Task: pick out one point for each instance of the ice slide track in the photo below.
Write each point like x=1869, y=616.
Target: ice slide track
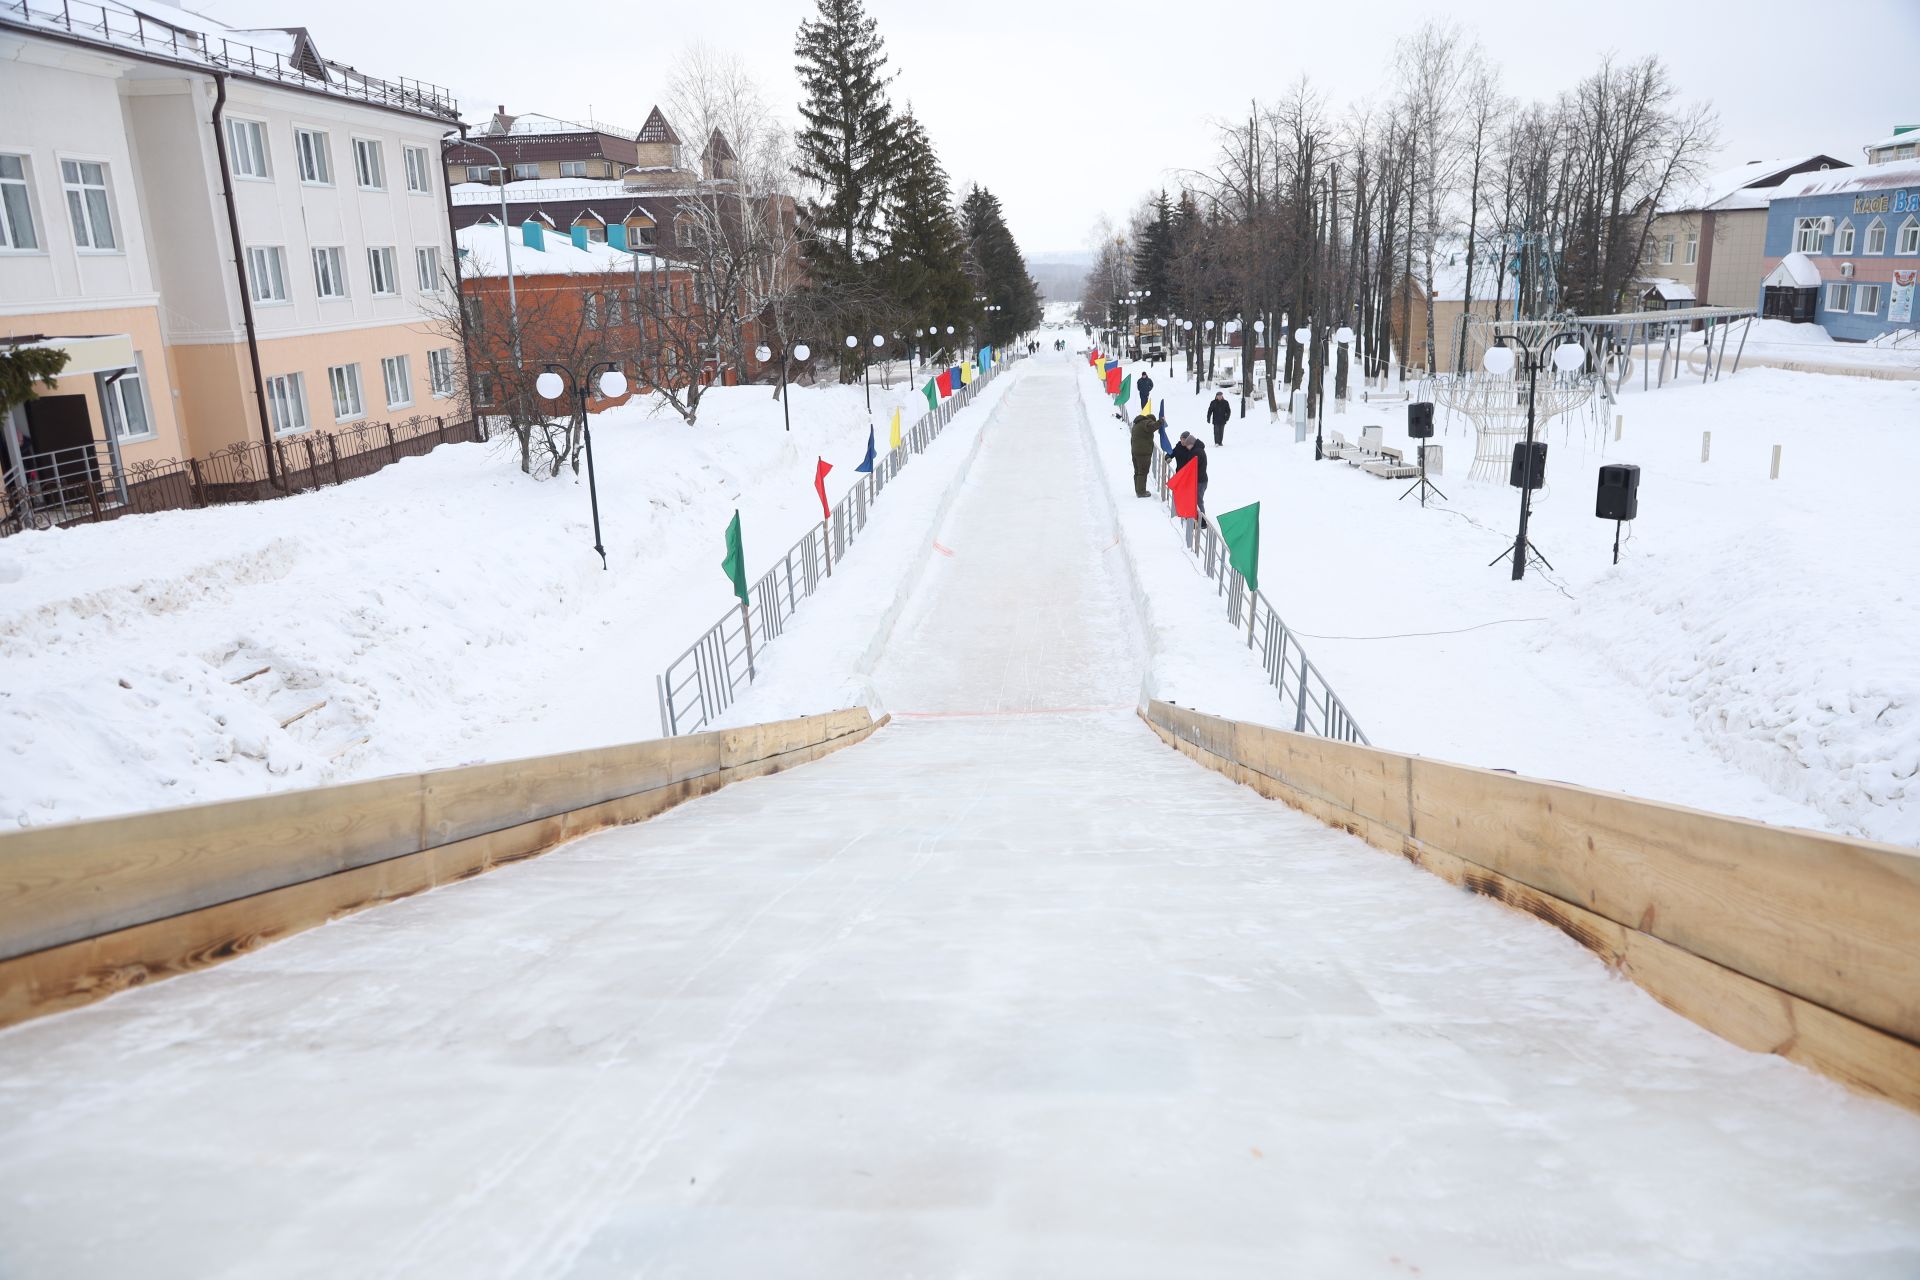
x=1016, y=993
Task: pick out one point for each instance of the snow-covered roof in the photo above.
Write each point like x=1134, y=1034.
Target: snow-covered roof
x=1669, y=290
x=1450, y=273
x=1895, y=140
x=1733, y=188
x=1859, y=177
x=539, y=189
x=484, y=255
x=1796, y=271
x=534, y=123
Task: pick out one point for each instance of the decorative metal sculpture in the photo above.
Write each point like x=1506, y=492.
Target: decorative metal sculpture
x=1497, y=403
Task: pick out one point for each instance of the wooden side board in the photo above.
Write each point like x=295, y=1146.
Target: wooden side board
x=126, y=901
x=1783, y=941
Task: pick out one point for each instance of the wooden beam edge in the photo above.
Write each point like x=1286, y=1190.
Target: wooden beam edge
x=1735, y=1007
x=78, y=973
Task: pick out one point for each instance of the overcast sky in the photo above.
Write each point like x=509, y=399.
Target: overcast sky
x=1068, y=111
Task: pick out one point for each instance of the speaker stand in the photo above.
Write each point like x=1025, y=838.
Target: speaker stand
x=1533, y=554
x=1616, y=542
x=1423, y=484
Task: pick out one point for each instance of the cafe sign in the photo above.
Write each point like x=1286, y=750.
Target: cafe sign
x=1894, y=202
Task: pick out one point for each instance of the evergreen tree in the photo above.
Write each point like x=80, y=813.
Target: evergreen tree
x=924, y=267
x=1153, y=256
x=848, y=147
x=998, y=269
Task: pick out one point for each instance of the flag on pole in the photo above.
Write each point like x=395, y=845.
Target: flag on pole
x=986, y=357
x=736, y=562
x=945, y=383
x=966, y=373
x=1164, y=446
x=1126, y=391
x=893, y=436
x=820, y=487
x=1113, y=380
x=932, y=392
x=1093, y=357
x=1240, y=530
x=1185, y=488
x=953, y=380
x=866, y=464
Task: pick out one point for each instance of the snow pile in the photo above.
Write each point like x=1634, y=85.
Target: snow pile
x=1751, y=654
x=445, y=610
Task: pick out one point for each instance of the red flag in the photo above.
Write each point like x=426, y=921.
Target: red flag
x=820, y=487
x=945, y=381
x=1185, y=488
x=1093, y=357
x=1113, y=381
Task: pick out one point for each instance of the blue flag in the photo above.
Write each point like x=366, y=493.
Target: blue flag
x=955, y=371
x=1164, y=446
x=867, y=465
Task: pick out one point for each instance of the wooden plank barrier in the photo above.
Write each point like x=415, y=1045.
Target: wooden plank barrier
x=1781, y=940
x=91, y=908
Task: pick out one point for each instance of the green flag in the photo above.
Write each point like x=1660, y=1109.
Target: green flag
x=932, y=392
x=736, y=562
x=1126, y=391
x=1240, y=530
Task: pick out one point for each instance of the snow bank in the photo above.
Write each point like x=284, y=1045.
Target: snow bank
x=447, y=609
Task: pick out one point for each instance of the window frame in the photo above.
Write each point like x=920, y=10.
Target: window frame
x=113, y=408
x=580, y=167
x=404, y=364
x=321, y=152
x=263, y=148
x=427, y=281
x=514, y=174
x=439, y=387
x=290, y=391
x=1843, y=238
x=374, y=270
x=70, y=189
x=419, y=167
x=276, y=254
x=349, y=379
x=9, y=235
x=1842, y=290
x=1691, y=253
x=1861, y=293
x=1801, y=228
x=1906, y=241
x=377, y=151
x=1876, y=230
x=1669, y=244
x=336, y=256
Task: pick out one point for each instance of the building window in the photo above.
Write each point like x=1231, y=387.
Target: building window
x=87, y=204
x=475, y=310
x=1806, y=235
x=287, y=403
x=484, y=387
x=1866, y=299
x=1666, y=250
x=573, y=168
x=1693, y=247
x=383, y=266
x=426, y=265
x=124, y=402
x=267, y=273
x=1909, y=242
x=315, y=155
x=419, y=175
x=398, y=373
x=440, y=372
x=1843, y=239
x=478, y=173
x=330, y=272
x=368, y=165
x=344, y=381
x=591, y=307
x=1838, y=295
x=640, y=235
x=1876, y=237
x=16, y=209
x=247, y=148
x=525, y=172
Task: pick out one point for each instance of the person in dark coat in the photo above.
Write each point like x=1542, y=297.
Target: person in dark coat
x=1192, y=447
x=1146, y=389
x=1218, y=413
x=1145, y=428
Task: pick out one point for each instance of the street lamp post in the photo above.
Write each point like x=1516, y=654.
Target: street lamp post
x=1343, y=337
x=559, y=380
x=799, y=351
x=1564, y=350
x=506, y=239
x=1303, y=338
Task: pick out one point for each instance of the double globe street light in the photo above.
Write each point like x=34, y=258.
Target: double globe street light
x=558, y=381
x=1563, y=350
x=800, y=352
x=853, y=344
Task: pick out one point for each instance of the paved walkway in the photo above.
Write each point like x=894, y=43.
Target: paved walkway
x=1009, y=990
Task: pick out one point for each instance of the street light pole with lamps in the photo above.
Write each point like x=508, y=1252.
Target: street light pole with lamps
x=799, y=351
x=1564, y=350
x=506, y=237
x=613, y=384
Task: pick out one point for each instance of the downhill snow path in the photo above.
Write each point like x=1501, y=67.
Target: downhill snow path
x=1018, y=992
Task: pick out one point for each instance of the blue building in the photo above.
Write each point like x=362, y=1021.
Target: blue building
x=1843, y=250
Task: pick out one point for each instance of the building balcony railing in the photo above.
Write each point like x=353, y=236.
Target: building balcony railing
x=134, y=31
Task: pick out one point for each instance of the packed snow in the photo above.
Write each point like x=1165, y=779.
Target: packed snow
x=1751, y=654
x=445, y=610
x=1009, y=989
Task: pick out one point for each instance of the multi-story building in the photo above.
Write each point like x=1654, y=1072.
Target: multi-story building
x=1706, y=241
x=232, y=236
x=1904, y=144
x=1843, y=249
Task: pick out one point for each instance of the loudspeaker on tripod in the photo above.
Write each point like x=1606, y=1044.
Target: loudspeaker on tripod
x=1420, y=420
x=1521, y=476
x=1619, y=495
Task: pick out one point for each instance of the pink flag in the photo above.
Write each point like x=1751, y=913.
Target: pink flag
x=820, y=487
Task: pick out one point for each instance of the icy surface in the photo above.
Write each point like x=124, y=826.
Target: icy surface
x=1003, y=991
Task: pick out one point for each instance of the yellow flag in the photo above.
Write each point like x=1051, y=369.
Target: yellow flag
x=966, y=373
x=893, y=438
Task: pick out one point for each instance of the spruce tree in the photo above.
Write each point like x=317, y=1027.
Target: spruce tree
x=999, y=270
x=848, y=147
x=924, y=268
x=1153, y=256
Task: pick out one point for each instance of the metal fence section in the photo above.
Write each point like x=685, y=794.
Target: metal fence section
x=1316, y=708
x=702, y=683
x=91, y=483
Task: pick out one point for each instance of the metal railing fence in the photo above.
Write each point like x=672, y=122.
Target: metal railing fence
x=703, y=681
x=1317, y=709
